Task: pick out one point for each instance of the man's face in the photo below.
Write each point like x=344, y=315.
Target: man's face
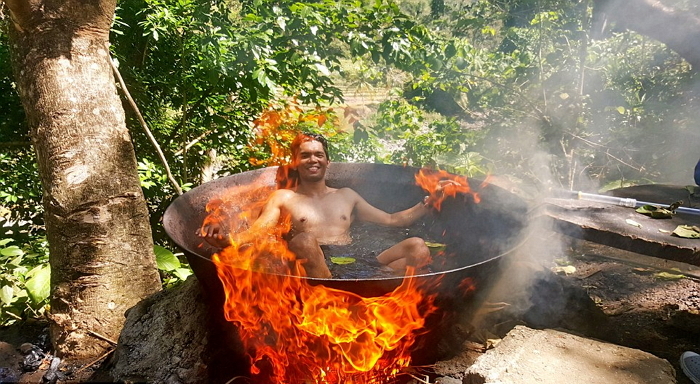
x=312, y=161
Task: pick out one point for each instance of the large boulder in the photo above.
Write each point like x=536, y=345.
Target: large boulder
x=174, y=336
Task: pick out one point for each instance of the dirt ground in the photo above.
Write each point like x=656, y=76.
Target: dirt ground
x=648, y=304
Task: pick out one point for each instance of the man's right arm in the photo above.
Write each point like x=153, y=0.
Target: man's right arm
x=216, y=233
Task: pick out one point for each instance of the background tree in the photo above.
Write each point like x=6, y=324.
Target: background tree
x=101, y=250
x=677, y=28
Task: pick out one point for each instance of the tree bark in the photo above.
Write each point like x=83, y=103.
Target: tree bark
x=680, y=31
x=101, y=250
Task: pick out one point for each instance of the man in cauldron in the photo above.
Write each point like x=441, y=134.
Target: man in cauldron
x=321, y=216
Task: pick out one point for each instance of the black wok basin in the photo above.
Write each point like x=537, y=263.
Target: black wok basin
x=477, y=235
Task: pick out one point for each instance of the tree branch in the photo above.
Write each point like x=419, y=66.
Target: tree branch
x=193, y=142
x=144, y=125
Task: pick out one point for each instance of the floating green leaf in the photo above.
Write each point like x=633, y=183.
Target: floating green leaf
x=342, y=260
x=435, y=247
x=166, y=260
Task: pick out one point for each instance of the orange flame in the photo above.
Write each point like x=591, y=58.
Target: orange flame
x=430, y=181
x=276, y=128
x=295, y=332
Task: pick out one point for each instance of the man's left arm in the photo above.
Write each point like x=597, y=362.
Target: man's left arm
x=367, y=212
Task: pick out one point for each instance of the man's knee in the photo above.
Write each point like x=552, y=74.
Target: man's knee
x=305, y=246
x=302, y=241
x=419, y=253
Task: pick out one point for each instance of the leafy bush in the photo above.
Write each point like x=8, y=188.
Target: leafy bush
x=171, y=269
x=24, y=279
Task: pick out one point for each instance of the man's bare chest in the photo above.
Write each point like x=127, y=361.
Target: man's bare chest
x=314, y=213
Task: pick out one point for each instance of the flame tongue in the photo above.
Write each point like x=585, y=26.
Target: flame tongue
x=430, y=181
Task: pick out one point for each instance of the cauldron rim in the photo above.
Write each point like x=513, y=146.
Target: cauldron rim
x=388, y=278
x=169, y=212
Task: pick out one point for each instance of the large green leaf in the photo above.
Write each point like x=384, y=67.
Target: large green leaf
x=12, y=250
x=166, y=260
x=39, y=283
x=182, y=273
x=6, y=294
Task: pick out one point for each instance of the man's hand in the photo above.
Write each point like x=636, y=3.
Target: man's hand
x=214, y=234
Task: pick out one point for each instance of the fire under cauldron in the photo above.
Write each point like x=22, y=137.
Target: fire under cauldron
x=476, y=235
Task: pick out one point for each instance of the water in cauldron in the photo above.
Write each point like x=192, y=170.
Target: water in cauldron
x=368, y=241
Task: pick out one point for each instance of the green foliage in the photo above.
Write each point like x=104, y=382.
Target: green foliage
x=171, y=269
x=20, y=196
x=13, y=126
x=405, y=134
x=24, y=279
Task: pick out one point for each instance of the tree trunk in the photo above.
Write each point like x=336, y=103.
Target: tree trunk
x=101, y=251
x=680, y=31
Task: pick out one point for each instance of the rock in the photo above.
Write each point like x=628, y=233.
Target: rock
x=174, y=336
x=25, y=348
x=527, y=356
x=10, y=372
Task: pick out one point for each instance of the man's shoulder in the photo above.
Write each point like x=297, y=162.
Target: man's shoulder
x=347, y=191
x=282, y=194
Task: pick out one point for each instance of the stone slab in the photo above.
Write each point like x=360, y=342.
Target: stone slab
x=528, y=356
x=607, y=224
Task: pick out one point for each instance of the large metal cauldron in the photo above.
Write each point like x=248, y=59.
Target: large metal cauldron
x=477, y=235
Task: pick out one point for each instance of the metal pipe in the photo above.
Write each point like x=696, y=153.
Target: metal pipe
x=623, y=201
